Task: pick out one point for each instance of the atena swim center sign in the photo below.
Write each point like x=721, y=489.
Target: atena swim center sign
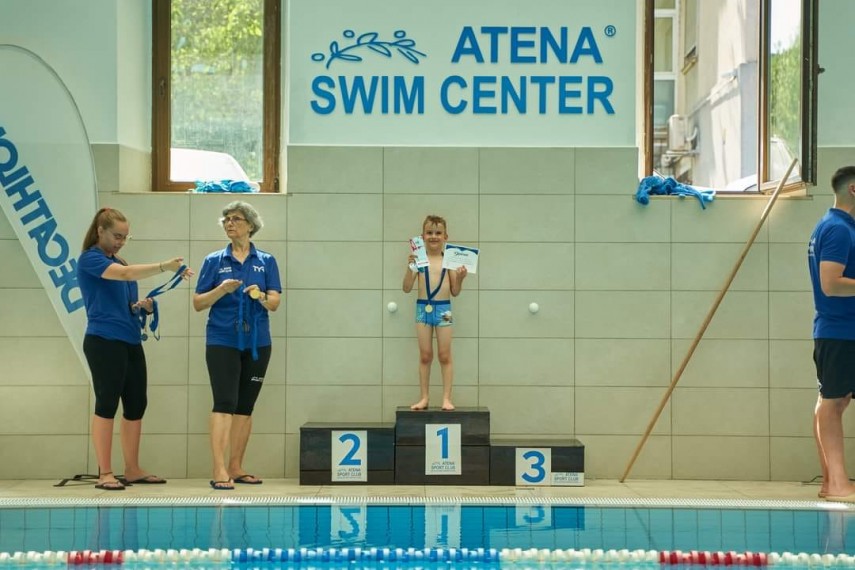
x=462, y=72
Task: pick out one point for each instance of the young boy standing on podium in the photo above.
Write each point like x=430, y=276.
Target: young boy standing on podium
x=436, y=286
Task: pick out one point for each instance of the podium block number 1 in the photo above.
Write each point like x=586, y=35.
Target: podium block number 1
x=533, y=466
x=442, y=449
x=349, y=457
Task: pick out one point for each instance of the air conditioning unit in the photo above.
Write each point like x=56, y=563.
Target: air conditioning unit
x=678, y=134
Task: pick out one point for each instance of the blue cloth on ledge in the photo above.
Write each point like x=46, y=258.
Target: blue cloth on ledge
x=233, y=186
x=659, y=186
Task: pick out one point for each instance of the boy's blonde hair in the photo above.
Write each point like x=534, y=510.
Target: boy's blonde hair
x=436, y=220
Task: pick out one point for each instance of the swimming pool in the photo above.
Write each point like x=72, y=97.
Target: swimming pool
x=260, y=523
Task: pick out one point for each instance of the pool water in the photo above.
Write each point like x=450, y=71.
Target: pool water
x=424, y=526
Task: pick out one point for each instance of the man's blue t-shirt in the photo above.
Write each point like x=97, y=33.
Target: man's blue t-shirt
x=108, y=302
x=260, y=269
x=833, y=239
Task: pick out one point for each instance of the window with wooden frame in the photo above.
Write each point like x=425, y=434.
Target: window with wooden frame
x=730, y=92
x=215, y=92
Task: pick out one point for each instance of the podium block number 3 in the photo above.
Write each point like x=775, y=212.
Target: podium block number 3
x=533, y=466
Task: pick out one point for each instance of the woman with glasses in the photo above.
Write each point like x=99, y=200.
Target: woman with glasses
x=240, y=285
x=113, y=343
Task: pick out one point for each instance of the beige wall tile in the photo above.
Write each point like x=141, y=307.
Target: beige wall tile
x=292, y=455
x=199, y=406
x=721, y=457
x=329, y=361
x=430, y=170
x=199, y=457
x=404, y=215
x=167, y=410
x=721, y=411
x=723, y=363
x=527, y=170
x=741, y=315
x=61, y=410
x=401, y=361
x=795, y=458
x=622, y=362
x=105, y=158
x=506, y=314
x=788, y=267
x=334, y=265
x=606, y=170
x=792, y=220
x=41, y=361
x=620, y=219
x=550, y=409
x=607, y=456
x=167, y=361
x=337, y=169
x=623, y=266
x=334, y=313
x=706, y=267
x=723, y=221
x=530, y=266
x=526, y=218
x=791, y=413
x=791, y=315
x=622, y=314
x=18, y=272
x=619, y=411
x=331, y=404
x=335, y=217
x=58, y=457
x=134, y=170
x=161, y=216
x=28, y=312
x=525, y=362
x=268, y=417
x=791, y=364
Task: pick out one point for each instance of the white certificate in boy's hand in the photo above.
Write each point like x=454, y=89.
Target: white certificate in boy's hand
x=460, y=256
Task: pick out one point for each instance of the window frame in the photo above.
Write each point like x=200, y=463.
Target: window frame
x=161, y=98
x=809, y=80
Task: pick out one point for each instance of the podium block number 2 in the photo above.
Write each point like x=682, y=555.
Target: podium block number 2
x=533, y=466
x=349, y=456
x=442, y=449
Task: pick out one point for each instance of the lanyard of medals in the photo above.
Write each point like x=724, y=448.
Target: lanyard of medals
x=432, y=294
x=155, y=315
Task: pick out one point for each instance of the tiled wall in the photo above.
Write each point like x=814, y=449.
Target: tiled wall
x=622, y=288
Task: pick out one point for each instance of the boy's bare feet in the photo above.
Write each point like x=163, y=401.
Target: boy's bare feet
x=420, y=405
x=447, y=406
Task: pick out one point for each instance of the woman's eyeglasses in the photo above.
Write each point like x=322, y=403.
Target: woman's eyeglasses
x=233, y=219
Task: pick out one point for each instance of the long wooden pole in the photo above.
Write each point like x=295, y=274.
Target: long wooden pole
x=706, y=323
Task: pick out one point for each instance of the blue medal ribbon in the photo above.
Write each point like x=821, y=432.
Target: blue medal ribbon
x=171, y=284
x=432, y=294
x=251, y=322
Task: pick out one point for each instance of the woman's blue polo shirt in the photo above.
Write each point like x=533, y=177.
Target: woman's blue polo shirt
x=108, y=301
x=259, y=268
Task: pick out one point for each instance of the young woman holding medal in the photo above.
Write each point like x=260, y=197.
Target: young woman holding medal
x=113, y=343
x=240, y=285
x=436, y=286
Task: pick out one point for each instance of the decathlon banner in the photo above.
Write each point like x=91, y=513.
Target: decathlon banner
x=462, y=73
x=47, y=179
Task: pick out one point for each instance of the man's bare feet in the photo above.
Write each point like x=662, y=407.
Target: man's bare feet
x=420, y=405
x=447, y=406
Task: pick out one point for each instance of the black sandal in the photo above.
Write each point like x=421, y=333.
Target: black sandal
x=110, y=485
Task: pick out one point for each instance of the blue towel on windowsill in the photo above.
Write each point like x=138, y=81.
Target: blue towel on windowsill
x=232, y=186
x=659, y=186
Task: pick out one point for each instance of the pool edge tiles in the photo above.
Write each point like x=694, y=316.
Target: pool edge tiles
x=105, y=501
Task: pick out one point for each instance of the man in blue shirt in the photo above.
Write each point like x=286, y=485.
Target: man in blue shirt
x=831, y=259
